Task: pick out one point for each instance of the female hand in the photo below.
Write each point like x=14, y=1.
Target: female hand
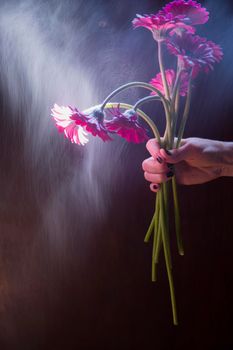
x=196, y=161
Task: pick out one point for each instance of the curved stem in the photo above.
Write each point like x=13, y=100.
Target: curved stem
x=168, y=131
x=148, y=87
x=145, y=100
x=133, y=84
x=150, y=229
x=143, y=115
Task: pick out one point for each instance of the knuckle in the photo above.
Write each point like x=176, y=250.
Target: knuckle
x=146, y=176
x=144, y=164
x=149, y=145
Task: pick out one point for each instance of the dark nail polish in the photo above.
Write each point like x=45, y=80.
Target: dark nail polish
x=159, y=159
x=170, y=166
x=170, y=174
x=168, y=152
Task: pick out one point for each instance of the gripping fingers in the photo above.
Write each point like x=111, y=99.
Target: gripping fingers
x=158, y=178
x=155, y=166
x=153, y=147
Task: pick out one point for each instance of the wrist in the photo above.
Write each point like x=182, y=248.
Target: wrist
x=227, y=159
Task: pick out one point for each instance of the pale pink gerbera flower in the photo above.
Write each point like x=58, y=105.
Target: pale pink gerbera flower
x=171, y=78
x=65, y=122
x=194, y=52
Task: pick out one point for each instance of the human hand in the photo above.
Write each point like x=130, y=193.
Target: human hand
x=196, y=161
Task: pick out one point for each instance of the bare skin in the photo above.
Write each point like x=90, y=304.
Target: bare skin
x=196, y=161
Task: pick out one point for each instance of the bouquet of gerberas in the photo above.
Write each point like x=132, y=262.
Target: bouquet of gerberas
x=173, y=28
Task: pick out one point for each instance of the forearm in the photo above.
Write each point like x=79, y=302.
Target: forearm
x=227, y=159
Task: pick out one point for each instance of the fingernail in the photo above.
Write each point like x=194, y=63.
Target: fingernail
x=159, y=159
x=168, y=152
x=170, y=166
x=170, y=174
x=155, y=187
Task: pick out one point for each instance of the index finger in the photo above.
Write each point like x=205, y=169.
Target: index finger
x=153, y=147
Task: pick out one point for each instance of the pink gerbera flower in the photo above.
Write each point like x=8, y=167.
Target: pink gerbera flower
x=160, y=24
x=65, y=122
x=194, y=52
x=171, y=77
x=178, y=14
x=189, y=12
x=127, y=126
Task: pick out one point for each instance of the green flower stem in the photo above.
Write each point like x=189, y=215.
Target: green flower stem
x=148, y=87
x=166, y=254
x=143, y=115
x=185, y=115
x=166, y=217
x=156, y=237
x=158, y=247
x=154, y=220
x=168, y=130
x=150, y=229
x=177, y=218
x=176, y=85
x=161, y=65
x=145, y=100
x=175, y=101
x=167, y=114
x=165, y=191
x=177, y=105
x=158, y=244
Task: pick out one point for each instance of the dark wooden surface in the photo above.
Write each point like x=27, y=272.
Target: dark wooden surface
x=74, y=271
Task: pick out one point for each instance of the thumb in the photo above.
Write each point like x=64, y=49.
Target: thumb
x=176, y=155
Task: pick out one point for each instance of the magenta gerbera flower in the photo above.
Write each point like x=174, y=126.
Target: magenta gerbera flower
x=127, y=126
x=160, y=24
x=94, y=123
x=65, y=122
x=189, y=12
x=194, y=52
x=171, y=78
x=178, y=14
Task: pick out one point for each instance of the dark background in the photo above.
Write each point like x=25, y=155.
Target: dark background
x=74, y=271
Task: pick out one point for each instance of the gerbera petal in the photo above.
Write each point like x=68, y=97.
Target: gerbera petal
x=171, y=77
x=95, y=124
x=126, y=126
x=65, y=118
x=189, y=12
x=174, y=17
x=194, y=52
